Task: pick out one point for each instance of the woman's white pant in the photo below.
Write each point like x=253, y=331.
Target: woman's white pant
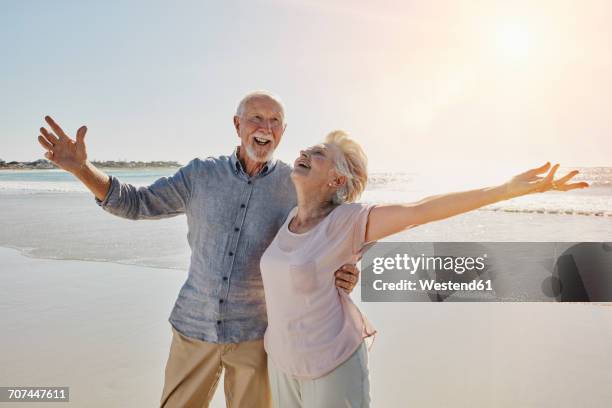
x=347, y=386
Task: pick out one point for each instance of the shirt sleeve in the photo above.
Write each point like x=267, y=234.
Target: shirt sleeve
x=166, y=197
x=359, y=222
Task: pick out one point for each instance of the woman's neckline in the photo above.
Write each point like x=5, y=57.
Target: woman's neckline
x=302, y=234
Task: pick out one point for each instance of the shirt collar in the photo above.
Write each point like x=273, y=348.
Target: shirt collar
x=237, y=166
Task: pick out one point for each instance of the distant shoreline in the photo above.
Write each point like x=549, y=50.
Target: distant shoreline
x=110, y=164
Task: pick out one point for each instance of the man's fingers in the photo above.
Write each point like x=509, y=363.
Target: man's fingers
x=346, y=277
x=351, y=268
x=80, y=136
x=49, y=155
x=50, y=140
x=56, y=128
x=347, y=287
x=44, y=143
x=49, y=136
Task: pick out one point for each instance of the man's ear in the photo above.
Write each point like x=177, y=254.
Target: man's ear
x=237, y=125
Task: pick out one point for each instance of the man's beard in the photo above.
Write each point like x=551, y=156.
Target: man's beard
x=258, y=156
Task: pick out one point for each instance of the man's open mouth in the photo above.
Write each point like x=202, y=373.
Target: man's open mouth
x=261, y=142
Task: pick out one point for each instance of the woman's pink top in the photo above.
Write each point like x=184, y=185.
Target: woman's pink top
x=313, y=326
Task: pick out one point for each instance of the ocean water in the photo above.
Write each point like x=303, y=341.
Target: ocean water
x=49, y=214
x=59, y=181
x=382, y=188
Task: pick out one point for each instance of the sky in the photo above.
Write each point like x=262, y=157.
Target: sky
x=425, y=86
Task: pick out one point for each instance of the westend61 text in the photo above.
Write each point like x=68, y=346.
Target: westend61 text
x=431, y=285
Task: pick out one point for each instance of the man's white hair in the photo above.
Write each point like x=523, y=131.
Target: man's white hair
x=259, y=94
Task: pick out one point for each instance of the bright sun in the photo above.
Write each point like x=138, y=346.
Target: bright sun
x=513, y=41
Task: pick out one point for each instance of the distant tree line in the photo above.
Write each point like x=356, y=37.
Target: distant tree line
x=123, y=164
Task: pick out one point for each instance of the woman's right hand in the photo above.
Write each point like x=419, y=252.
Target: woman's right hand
x=68, y=154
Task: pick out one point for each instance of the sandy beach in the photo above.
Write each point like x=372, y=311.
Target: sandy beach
x=101, y=328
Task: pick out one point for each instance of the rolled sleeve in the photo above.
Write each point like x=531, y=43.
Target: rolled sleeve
x=166, y=197
x=112, y=192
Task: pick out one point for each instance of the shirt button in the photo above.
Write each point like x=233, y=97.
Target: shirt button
x=236, y=229
x=218, y=321
x=242, y=205
x=231, y=254
x=225, y=278
x=249, y=182
x=220, y=300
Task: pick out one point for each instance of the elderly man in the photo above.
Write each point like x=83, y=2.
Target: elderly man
x=234, y=207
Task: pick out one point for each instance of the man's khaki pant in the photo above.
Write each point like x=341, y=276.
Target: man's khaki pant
x=194, y=368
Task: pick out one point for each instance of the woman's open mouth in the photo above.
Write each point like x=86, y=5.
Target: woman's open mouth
x=302, y=163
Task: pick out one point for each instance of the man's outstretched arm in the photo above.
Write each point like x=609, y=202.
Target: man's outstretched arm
x=166, y=197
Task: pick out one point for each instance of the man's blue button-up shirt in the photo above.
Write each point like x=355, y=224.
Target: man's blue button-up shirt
x=231, y=218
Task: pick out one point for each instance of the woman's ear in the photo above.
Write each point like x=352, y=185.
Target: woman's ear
x=339, y=180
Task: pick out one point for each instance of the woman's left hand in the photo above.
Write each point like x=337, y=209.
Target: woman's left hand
x=530, y=181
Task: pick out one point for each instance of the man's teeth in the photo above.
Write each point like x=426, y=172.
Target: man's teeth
x=261, y=141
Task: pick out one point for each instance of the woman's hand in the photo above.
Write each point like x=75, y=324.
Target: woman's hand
x=530, y=182
x=66, y=153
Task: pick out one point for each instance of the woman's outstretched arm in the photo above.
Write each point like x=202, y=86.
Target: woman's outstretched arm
x=385, y=220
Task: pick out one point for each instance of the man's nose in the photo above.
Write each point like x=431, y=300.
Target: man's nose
x=266, y=125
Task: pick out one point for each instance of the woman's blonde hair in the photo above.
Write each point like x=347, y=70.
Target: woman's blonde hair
x=352, y=163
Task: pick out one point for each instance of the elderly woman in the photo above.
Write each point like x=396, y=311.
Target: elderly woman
x=315, y=335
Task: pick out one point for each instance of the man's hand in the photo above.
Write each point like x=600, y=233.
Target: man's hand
x=347, y=277
x=63, y=151
x=71, y=155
